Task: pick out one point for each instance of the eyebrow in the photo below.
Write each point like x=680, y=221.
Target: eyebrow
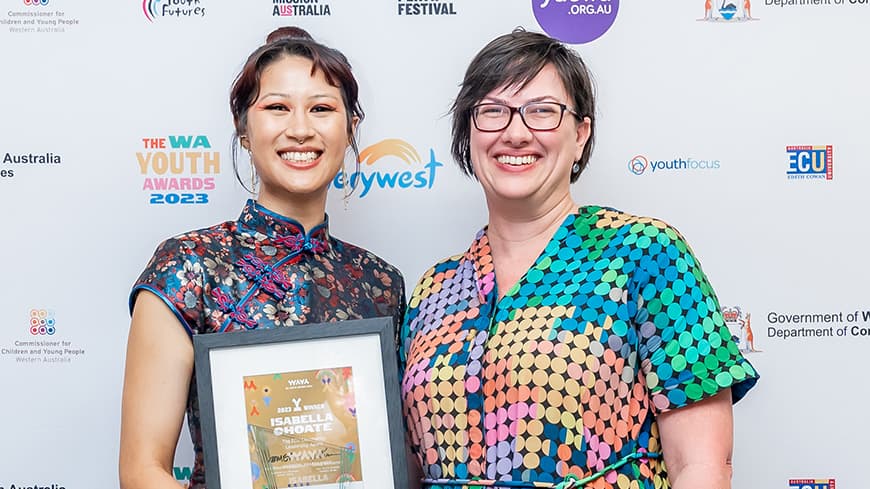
x=535, y=99
x=287, y=95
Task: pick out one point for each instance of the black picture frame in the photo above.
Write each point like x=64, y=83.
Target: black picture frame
x=215, y=352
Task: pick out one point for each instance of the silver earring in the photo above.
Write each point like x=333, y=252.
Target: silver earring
x=345, y=182
x=575, y=168
x=253, y=172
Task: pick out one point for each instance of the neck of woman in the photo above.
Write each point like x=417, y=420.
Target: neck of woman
x=307, y=210
x=517, y=239
x=518, y=226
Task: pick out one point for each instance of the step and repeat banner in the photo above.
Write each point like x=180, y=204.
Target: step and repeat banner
x=742, y=123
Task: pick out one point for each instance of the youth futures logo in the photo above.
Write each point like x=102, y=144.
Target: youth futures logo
x=727, y=11
x=159, y=9
x=392, y=164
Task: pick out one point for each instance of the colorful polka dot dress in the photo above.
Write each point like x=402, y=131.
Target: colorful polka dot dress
x=557, y=384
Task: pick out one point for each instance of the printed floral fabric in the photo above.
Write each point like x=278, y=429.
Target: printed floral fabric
x=265, y=271
x=557, y=384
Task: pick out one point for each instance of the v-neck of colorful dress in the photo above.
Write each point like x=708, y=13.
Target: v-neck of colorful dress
x=560, y=380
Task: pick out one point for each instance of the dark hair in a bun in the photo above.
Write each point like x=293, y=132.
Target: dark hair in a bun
x=288, y=32
x=293, y=41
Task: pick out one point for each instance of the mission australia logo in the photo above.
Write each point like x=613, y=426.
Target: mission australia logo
x=300, y=8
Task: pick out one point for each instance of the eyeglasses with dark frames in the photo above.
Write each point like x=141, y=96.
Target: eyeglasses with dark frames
x=537, y=116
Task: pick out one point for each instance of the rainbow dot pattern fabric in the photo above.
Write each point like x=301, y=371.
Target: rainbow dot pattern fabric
x=614, y=323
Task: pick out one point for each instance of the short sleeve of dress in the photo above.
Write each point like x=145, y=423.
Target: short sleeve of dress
x=175, y=274
x=686, y=350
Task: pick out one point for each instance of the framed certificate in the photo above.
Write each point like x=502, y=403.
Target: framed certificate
x=310, y=405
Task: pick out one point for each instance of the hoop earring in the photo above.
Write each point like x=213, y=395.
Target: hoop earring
x=253, y=190
x=345, y=182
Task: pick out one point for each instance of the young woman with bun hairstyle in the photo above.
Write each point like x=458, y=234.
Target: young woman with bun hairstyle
x=295, y=111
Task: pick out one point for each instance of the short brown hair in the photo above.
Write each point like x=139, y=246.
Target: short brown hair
x=514, y=59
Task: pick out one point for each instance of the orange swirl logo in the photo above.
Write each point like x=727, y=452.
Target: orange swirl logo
x=389, y=147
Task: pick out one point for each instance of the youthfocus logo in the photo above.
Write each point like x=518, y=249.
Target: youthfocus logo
x=641, y=164
x=378, y=169
x=159, y=9
x=575, y=21
x=178, y=169
x=727, y=11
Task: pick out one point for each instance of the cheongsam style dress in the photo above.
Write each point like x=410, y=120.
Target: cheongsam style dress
x=558, y=383
x=265, y=271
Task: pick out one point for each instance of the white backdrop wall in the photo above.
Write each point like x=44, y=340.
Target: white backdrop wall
x=705, y=121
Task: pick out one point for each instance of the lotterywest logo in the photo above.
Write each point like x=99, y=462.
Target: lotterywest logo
x=810, y=162
x=178, y=169
x=812, y=484
x=160, y=9
x=640, y=164
x=425, y=7
x=27, y=159
x=412, y=172
x=727, y=11
x=42, y=322
x=299, y=8
x=739, y=323
x=573, y=21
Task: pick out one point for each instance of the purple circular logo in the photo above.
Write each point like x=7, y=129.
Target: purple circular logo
x=575, y=21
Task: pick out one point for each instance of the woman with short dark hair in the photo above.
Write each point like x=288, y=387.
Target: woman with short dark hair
x=568, y=346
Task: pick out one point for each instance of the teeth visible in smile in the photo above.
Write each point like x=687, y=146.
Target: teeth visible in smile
x=517, y=160
x=296, y=156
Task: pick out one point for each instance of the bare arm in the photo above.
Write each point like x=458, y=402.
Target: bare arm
x=415, y=472
x=156, y=381
x=697, y=442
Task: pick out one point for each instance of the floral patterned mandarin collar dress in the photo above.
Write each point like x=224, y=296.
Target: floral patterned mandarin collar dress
x=558, y=383
x=264, y=271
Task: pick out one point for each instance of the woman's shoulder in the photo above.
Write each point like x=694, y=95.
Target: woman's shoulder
x=364, y=257
x=604, y=216
x=218, y=235
x=641, y=227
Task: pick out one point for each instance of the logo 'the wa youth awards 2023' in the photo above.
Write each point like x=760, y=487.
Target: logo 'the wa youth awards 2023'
x=178, y=169
x=412, y=173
